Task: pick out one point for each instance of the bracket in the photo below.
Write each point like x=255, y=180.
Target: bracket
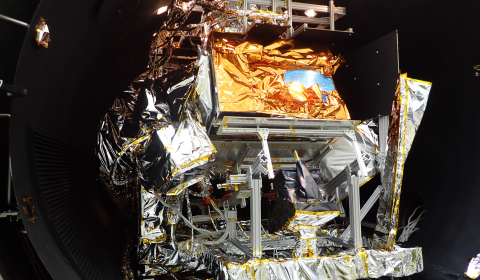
x=262, y=134
x=351, y=134
x=12, y=90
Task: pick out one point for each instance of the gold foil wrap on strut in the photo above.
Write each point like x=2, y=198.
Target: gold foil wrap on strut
x=250, y=78
x=407, y=111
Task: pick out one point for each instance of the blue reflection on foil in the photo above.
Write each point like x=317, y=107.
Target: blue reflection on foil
x=308, y=78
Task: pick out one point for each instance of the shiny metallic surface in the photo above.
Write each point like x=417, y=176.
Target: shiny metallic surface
x=407, y=112
x=473, y=269
x=43, y=33
x=12, y=20
x=154, y=151
x=352, y=264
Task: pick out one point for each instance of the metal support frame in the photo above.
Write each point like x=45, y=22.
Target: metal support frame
x=256, y=217
x=10, y=214
x=363, y=169
x=245, y=18
x=288, y=6
x=287, y=132
x=363, y=212
x=274, y=6
x=263, y=128
x=300, y=29
x=15, y=21
x=331, y=10
x=354, y=208
x=383, y=123
x=241, y=247
x=333, y=239
x=12, y=90
x=321, y=155
x=231, y=216
x=341, y=177
x=241, y=158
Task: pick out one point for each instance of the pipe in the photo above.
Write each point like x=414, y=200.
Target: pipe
x=12, y=20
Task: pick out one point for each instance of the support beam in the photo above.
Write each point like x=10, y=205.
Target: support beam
x=245, y=18
x=331, y=10
x=241, y=247
x=288, y=4
x=231, y=223
x=284, y=132
x=340, y=178
x=274, y=7
x=299, y=30
x=256, y=217
x=368, y=205
x=321, y=155
x=12, y=90
x=241, y=158
x=354, y=211
x=382, y=139
x=361, y=164
x=15, y=21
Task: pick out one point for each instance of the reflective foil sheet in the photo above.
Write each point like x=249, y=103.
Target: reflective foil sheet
x=250, y=78
x=151, y=142
x=343, y=154
x=43, y=33
x=473, y=269
x=206, y=100
x=407, y=111
x=354, y=264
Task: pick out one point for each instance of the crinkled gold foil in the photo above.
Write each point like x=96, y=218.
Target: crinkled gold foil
x=407, y=111
x=250, y=79
x=43, y=33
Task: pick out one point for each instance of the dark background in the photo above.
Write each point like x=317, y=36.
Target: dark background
x=439, y=41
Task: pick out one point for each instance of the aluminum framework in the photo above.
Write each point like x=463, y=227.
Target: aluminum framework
x=330, y=9
x=277, y=128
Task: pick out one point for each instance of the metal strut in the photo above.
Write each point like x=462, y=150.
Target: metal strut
x=354, y=205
